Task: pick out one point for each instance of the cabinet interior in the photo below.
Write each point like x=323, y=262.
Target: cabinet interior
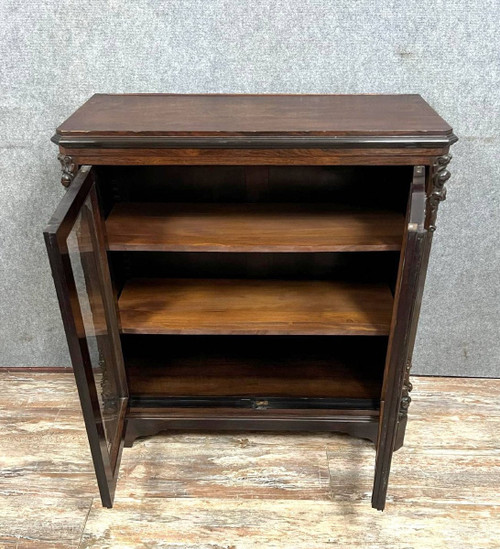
x=240, y=285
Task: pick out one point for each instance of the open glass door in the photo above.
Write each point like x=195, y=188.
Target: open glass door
x=76, y=245
x=408, y=296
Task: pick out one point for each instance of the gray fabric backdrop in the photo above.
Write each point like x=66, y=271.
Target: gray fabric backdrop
x=55, y=54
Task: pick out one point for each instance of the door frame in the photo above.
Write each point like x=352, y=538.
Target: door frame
x=407, y=299
x=106, y=462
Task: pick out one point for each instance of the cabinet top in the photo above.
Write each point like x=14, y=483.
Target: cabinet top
x=136, y=119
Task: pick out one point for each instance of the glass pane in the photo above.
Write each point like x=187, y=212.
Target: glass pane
x=82, y=249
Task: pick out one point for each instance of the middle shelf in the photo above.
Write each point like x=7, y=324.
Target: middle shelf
x=254, y=307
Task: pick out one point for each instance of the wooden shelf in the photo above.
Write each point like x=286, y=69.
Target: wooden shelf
x=259, y=307
x=251, y=228
x=252, y=366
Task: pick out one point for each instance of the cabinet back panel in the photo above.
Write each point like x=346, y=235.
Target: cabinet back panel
x=374, y=187
x=254, y=366
x=367, y=266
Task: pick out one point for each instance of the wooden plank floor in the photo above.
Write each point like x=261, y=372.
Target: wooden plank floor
x=248, y=490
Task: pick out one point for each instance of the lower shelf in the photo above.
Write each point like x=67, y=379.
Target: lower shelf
x=253, y=367
x=297, y=383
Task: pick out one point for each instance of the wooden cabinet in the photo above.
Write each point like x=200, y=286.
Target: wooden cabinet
x=245, y=262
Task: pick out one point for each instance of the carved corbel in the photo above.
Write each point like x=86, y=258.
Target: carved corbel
x=68, y=169
x=437, y=191
x=405, y=396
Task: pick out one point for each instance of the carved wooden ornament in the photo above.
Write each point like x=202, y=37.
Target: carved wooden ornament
x=68, y=169
x=437, y=190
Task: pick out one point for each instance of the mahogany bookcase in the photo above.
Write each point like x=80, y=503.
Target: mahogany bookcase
x=245, y=262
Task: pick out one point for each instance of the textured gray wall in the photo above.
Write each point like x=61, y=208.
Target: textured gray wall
x=55, y=54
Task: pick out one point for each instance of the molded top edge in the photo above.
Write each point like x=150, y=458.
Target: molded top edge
x=220, y=120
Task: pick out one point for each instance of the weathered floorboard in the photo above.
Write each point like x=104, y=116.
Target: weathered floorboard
x=246, y=490
x=246, y=524
x=234, y=467
x=42, y=522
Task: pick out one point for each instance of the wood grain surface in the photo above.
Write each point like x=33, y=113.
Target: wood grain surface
x=251, y=228
x=258, y=307
x=222, y=114
x=250, y=157
x=247, y=490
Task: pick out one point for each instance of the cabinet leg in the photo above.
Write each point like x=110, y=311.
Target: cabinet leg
x=130, y=434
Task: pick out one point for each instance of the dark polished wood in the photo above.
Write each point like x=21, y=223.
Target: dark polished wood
x=254, y=129
x=411, y=277
x=254, y=244
x=223, y=115
x=357, y=155
x=150, y=421
x=251, y=228
x=259, y=307
x=90, y=328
